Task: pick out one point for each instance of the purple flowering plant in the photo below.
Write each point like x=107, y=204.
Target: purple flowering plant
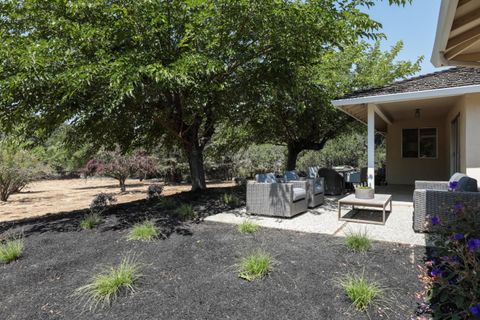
x=453, y=185
x=452, y=270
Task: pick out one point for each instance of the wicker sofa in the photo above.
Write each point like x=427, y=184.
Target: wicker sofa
x=315, y=187
x=269, y=197
x=436, y=197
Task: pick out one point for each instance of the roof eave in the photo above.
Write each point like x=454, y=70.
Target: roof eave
x=408, y=96
x=445, y=21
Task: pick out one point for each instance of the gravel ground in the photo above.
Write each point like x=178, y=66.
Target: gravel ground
x=192, y=272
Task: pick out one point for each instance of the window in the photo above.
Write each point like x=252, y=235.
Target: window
x=419, y=143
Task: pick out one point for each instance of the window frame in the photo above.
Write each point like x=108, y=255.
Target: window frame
x=418, y=143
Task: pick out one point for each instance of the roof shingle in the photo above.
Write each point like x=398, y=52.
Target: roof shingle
x=449, y=78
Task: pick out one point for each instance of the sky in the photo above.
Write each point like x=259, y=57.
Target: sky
x=415, y=24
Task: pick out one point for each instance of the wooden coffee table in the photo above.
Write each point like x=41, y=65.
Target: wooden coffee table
x=379, y=201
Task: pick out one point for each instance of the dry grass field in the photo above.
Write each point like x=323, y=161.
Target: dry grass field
x=54, y=196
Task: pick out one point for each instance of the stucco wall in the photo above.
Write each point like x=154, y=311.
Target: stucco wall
x=457, y=110
x=407, y=170
x=472, y=152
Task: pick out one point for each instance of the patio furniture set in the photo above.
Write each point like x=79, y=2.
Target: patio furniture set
x=290, y=194
x=284, y=197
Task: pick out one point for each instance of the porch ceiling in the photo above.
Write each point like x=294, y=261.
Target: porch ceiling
x=458, y=34
x=401, y=110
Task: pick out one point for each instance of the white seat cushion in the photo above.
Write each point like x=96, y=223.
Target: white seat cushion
x=299, y=194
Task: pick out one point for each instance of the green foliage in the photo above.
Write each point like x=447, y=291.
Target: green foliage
x=358, y=241
x=18, y=166
x=231, y=199
x=145, y=231
x=64, y=158
x=185, y=212
x=248, y=226
x=104, y=287
x=349, y=148
x=360, y=291
x=255, y=266
x=138, y=73
x=11, y=250
x=258, y=158
x=90, y=221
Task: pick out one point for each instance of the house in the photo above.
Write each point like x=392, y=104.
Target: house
x=457, y=41
x=431, y=124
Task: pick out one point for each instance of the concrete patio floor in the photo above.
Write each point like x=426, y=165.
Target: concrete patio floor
x=324, y=219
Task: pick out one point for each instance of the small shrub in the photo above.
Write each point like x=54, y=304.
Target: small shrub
x=90, y=220
x=361, y=292
x=185, y=212
x=105, y=287
x=101, y=202
x=18, y=167
x=154, y=191
x=358, y=241
x=255, y=266
x=145, y=231
x=231, y=200
x=248, y=226
x=168, y=203
x=118, y=165
x=11, y=250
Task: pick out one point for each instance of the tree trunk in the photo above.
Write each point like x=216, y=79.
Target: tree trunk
x=292, y=155
x=122, y=185
x=197, y=171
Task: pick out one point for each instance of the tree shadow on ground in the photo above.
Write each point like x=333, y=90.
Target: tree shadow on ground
x=109, y=186
x=123, y=216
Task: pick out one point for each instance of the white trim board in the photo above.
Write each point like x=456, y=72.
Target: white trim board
x=448, y=9
x=409, y=96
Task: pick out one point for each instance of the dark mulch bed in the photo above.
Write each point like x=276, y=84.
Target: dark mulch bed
x=192, y=273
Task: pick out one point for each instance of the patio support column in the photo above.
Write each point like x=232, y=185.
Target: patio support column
x=371, y=145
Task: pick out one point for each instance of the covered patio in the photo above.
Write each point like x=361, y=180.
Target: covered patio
x=324, y=219
x=424, y=122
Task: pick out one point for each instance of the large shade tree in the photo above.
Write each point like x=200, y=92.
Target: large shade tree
x=298, y=113
x=128, y=72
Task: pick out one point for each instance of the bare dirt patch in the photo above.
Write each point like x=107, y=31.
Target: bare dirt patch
x=53, y=196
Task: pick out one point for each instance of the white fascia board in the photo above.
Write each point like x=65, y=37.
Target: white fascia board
x=446, y=16
x=409, y=96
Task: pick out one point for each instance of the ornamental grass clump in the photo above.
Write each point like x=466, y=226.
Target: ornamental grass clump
x=185, y=212
x=248, y=226
x=231, y=200
x=168, y=203
x=11, y=250
x=90, y=221
x=106, y=286
x=358, y=241
x=255, y=266
x=360, y=291
x=145, y=231
x=451, y=272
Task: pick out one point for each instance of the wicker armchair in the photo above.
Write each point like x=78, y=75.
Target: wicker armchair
x=277, y=199
x=333, y=181
x=315, y=187
x=434, y=197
